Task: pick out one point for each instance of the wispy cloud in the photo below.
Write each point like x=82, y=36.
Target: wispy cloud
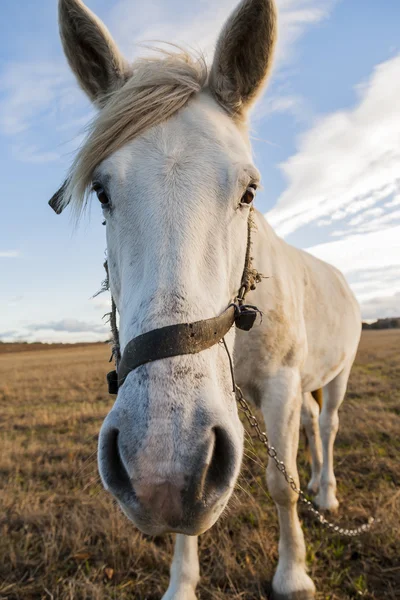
x=295, y=18
x=347, y=161
x=70, y=326
x=9, y=254
x=64, y=330
x=381, y=307
x=277, y=103
x=11, y=334
x=368, y=284
x=50, y=337
x=375, y=250
x=39, y=97
x=30, y=90
x=31, y=153
x=102, y=302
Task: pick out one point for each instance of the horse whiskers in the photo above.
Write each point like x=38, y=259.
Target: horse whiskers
x=88, y=462
x=242, y=489
x=249, y=438
x=257, y=462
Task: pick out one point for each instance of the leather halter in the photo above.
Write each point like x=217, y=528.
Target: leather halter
x=176, y=340
x=185, y=338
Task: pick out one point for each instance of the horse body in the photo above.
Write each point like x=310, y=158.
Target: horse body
x=311, y=324
x=307, y=340
x=170, y=160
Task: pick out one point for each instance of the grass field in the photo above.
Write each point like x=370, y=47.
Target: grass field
x=62, y=537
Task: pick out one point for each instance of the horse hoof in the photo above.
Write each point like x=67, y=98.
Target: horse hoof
x=313, y=488
x=328, y=505
x=301, y=595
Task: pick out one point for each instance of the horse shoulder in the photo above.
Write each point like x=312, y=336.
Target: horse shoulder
x=279, y=339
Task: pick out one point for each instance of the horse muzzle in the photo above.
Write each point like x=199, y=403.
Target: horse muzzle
x=182, y=491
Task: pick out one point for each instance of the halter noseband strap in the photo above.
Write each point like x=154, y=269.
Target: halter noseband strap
x=176, y=340
x=180, y=339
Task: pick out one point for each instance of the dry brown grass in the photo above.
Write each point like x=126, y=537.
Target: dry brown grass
x=62, y=536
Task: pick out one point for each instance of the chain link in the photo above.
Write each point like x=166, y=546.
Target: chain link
x=272, y=453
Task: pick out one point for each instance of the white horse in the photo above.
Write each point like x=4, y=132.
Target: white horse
x=170, y=160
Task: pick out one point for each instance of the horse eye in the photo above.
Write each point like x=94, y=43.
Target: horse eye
x=249, y=194
x=102, y=196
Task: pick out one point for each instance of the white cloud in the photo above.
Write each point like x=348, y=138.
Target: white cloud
x=70, y=326
x=31, y=90
x=365, y=216
x=10, y=334
x=40, y=97
x=368, y=223
x=31, y=153
x=9, y=254
x=280, y=103
x=51, y=337
x=63, y=331
x=381, y=307
x=375, y=250
x=295, y=17
x=348, y=160
x=373, y=261
x=102, y=302
x=372, y=283
x=394, y=202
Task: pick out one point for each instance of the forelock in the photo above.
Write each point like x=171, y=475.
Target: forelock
x=157, y=89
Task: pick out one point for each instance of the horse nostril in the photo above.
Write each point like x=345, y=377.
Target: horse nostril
x=112, y=469
x=222, y=466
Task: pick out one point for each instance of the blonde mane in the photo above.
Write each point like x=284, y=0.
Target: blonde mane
x=157, y=89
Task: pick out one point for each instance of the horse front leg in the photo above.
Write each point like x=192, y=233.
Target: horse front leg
x=281, y=406
x=185, y=570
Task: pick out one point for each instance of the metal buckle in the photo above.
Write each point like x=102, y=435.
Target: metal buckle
x=245, y=316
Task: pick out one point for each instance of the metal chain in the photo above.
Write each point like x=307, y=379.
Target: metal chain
x=272, y=453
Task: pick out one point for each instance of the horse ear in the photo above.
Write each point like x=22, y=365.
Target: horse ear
x=243, y=55
x=91, y=52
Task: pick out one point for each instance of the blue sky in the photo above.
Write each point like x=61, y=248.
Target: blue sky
x=326, y=138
